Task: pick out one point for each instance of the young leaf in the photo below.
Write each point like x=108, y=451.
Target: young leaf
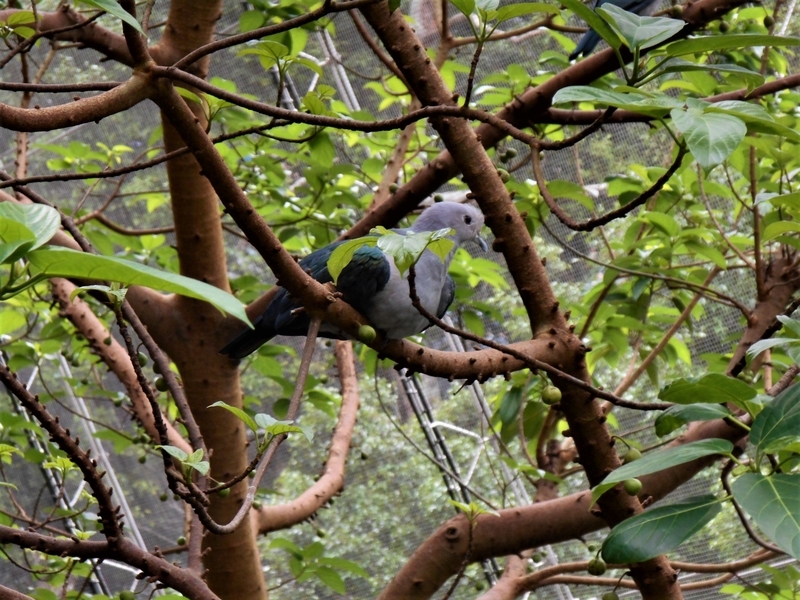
x=713, y=388
x=112, y=7
x=238, y=412
x=63, y=262
x=175, y=452
x=728, y=42
x=641, y=31
x=659, y=530
x=343, y=254
x=40, y=220
x=774, y=503
x=653, y=462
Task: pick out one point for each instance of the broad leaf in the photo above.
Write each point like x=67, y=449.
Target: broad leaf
x=636, y=30
x=407, y=249
x=657, y=106
x=465, y=6
x=653, y=462
x=42, y=221
x=779, y=423
x=112, y=7
x=594, y=21
x=511, y=11
x=343, y=254
x=728, y=42
x=677, y=416
x=238, y=412
x=62, y=262
x=677, y=65
x=773, y=501
x=711, y=137
x=659, y=530
x=711, y=388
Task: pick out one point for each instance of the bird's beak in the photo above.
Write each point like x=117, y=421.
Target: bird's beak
x=482, y=243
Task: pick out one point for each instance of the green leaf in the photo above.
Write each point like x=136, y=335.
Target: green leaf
x=238, y=412
x=779, y=423
x=594, y=21
x=711, y=137
x=663, y=221
x=659, y=530
x=761, y=345
x=465, y=6
x=676, y=416
x=407, y=249
x=653, y=462
x=712, y=388
x=22, y=17
x=657, y=106
x=112, y=7
x=677, y=65
x=511, y=11
x=175, y=452
x=63, y=262
x=641, y=31
x=773, y=501
x=25, y=227
x=755, y=117
x=332, y=579
x=393, y=6
x=343, y=254
x=728, y=42
x=779, y=228
x=342, y=564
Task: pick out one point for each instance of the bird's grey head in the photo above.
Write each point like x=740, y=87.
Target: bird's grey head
x=466, y=220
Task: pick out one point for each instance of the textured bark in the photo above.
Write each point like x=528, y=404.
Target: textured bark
x=232, y=562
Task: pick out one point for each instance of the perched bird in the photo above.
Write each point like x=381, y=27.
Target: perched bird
x=591, y=38
x=372, y=285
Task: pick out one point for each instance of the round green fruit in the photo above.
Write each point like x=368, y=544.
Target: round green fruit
x=225, y=492
x=127, y=595
x=142, y=458
x=769, y=21
x=393, y=188
x=367, y=334
x=161, y=384
x=724, y=27
x=511, y=153
x=597, y=566
x=181, y=541
x=505, y=176
x=142, y=359
x=631, y=455
x=632, y=487
x=610, y=596
x=164, y=497
x=108, y=341
x=551, y=395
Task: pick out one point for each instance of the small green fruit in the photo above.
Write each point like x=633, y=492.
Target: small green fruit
x=480, y=586
x=537, y=558
x=597, y=566
x=393, y=188
x=677, y=10
x=631, y=455
x=161, y=384
x=438, y=198
x=632, y=487
x=505, y=176
x=257, y=504
x=108, y=341
x=610, y=596
x=321, y=533
x=142, y=458
x=181, y=541
x=769, y=21
x=367, y=334
x=142, y=359
x=223, y=493
x=164, y=497
x=127, y=595
x=551, y=395
x=591, y=547
x=724, y=27
x=511, y=153
x=117, y=402
x=503, y=156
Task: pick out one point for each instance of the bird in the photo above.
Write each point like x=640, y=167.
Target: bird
x=591, y=38
x=372, y=284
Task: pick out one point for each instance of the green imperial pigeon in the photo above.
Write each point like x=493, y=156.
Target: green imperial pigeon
x=372, y=285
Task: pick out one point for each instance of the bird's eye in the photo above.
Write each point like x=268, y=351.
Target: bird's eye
x=467, y=219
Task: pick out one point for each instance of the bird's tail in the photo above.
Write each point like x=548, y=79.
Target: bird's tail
x=246, y=343
x=586, y=44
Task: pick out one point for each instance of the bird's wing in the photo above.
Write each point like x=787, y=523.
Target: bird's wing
x=446, y=299
x=365, y=275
